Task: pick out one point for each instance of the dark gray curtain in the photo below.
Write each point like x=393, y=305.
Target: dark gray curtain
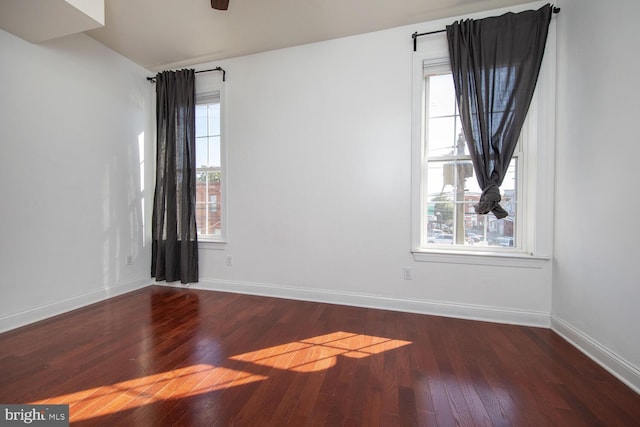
x=495, y=64
x=174, y=233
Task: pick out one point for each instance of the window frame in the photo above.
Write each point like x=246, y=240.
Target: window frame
x=212, y=95
x=536, y=163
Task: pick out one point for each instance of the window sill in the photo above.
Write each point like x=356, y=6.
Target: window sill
x=212, y=245
x=511, y=259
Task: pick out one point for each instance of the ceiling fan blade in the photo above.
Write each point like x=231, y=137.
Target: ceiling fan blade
x=220, y=4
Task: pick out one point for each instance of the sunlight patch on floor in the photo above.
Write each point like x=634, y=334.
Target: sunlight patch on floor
x=319, y=353
x=303, y=356
x=176, y=384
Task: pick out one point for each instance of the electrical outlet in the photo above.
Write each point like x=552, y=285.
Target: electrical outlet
x=407, y=273
x=129, y=260
x=229, y=260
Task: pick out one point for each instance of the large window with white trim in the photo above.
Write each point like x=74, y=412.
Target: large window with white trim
x=445, y=226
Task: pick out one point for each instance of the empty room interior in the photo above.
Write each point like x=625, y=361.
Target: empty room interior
x=341, y=270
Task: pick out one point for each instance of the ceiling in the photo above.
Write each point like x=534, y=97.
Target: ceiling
x=165, y=34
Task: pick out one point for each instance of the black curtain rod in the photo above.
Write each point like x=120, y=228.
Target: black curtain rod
x=415, y=35
x=224, y=74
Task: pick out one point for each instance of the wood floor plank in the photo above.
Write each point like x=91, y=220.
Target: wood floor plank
x=165, y=356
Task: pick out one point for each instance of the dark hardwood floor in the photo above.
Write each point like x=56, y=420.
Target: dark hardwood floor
x=178, y=357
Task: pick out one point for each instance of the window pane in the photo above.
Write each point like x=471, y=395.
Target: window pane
x=441, y=136
x=201, y=120
x=448, y=200
x=214, y=119
x=214, y=152
x=208, y=209
x=201, y=152
x=509, y=182
x=201, y=207
x=442, y=97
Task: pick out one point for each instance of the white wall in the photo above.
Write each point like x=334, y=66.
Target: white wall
x=596, y=281
x=319, y=187
x=72, y=115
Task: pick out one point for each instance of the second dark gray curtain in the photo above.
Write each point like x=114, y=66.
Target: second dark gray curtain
x=174, y=233
x=495, y=64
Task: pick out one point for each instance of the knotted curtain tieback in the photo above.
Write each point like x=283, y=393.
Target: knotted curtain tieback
x=490, y=202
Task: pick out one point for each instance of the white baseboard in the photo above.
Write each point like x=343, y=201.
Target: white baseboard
x=36, y=314
x=616, y=365
x=461, y=311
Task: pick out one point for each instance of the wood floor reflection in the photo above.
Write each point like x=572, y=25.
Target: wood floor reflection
x=177, y=357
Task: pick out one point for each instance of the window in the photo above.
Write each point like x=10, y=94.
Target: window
x=445, y=227
x=450, y=189
x=209, y=168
